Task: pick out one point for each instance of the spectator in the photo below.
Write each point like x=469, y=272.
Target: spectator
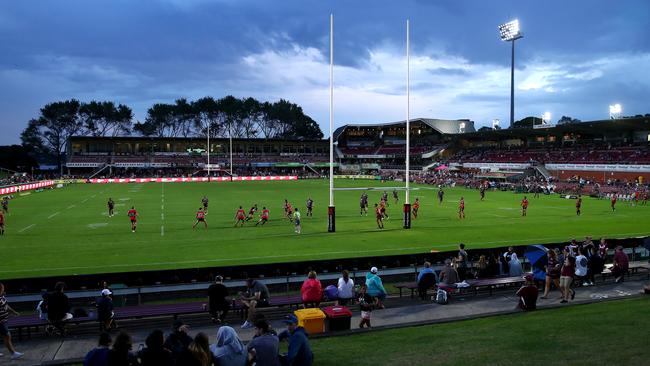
x=58, y=308
x=602, y=249
x=595, y=266
x=566, y=278
x=426, y=279
x=264, y=348
x=229, y=350
x=552, y=273
x=218, y=300
x=365, y=305
x=514, y=266
x=506, y=259
x=646, y=289
x=197, y=353
x=257, y=296
x=528, y=295
x=178, y=341
x=462, y=262
x=495, y=265
x=448, y=275
x=41, y=308
x=155, y=353
x=345, y=288
x=581, y=268
x=105, y=312
x=299, y=353
x=376, y=287
x=482, y=267
x=5, y=309
x=99, y=355
x=621, y=264
x=121, y=354
x=587, y=246
x=311, y=291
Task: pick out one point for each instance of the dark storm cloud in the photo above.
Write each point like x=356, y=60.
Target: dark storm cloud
x=576, y=56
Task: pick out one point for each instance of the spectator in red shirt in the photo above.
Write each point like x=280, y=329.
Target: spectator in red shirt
x=311, y=291
x=566, y=278
x=621, y=264
x=528, y=295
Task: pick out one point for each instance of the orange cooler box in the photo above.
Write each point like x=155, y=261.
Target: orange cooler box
x=313, y=320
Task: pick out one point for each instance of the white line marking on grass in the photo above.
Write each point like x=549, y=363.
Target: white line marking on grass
x=72, y=206
x=495, y=215
x=162, y=230
x=52, y=215
x=84, y=201
x=26, y=228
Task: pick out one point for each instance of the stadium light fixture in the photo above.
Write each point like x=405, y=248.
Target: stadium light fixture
x=461, y=127
x=615, y=111
x=510, y=32
x=495, y=123
x=546, y=118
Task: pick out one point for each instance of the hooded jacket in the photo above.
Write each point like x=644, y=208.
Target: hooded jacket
x=375, y=286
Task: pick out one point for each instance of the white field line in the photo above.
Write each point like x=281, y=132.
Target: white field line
x=52, y=215
x=72, y=206
x=162, y=230
x=26, y=228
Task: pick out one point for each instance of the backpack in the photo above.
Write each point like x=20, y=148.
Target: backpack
x=441, y=297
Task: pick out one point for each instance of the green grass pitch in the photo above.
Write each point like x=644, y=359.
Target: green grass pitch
x=66, y=231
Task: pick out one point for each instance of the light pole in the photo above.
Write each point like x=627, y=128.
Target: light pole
x=615, y=111
x=509, y=32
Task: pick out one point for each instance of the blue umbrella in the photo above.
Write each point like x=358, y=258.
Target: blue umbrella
x=537, y=255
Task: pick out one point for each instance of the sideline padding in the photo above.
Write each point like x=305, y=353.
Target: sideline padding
x=26, y=187
x=192, y=179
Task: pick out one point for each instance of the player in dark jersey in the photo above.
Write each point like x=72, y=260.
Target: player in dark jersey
x=461, y=208
x=251, y=212
x=415, y=208
x=204, y=201
x=395, y=195
x=482, y=191
x=200, y=217
x=240, y=217
x=384, y=197
x=2, y=223
x=578, y=205
x=613, y=202
x=379, y=217
x=524, y=206
x=363, y=204
x=441, y=195
x=5, y=204
x=285, y=206
x=310, y=207
x=264, y=217
x=133, y=216
x=111, y=206
x=645, y=199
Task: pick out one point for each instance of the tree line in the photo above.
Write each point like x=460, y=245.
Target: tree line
x=48, y=134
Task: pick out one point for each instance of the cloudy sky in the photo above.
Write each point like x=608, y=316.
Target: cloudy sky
x=575, y=59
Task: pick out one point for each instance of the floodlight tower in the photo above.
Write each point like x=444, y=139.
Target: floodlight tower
x=615, y=111
x=509, y=32
x=546, y=118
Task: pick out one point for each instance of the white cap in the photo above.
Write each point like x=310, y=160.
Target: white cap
x=106, y=292
x=373, y=269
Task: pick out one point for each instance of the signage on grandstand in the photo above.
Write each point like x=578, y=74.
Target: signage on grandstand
x=601, y=167
x=83, y=165
x=543, y=126
x=370, y=156
x=488, y=166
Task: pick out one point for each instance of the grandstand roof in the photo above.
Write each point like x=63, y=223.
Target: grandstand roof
x=587, y=127
x=444, y=126
x=152, y=138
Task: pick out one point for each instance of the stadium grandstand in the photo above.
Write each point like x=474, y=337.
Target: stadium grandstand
x=131, y=156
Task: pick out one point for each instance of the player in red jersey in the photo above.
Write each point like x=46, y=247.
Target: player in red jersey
x=382, y=209
x=524, y=206
x=2, y=222
x=133, y=216
x=240, y=216
x=461, y=208
x=200, y=217
x=379, y=217
x=578, y=205
x=614, y=198
x=264, y=217
x=415, y=208
x=637, y=196
x=289, y=211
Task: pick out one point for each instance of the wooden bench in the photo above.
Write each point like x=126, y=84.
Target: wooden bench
x=475, y=285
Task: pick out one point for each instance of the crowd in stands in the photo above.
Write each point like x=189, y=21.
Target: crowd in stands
x=566, y=268
x=570, y=155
